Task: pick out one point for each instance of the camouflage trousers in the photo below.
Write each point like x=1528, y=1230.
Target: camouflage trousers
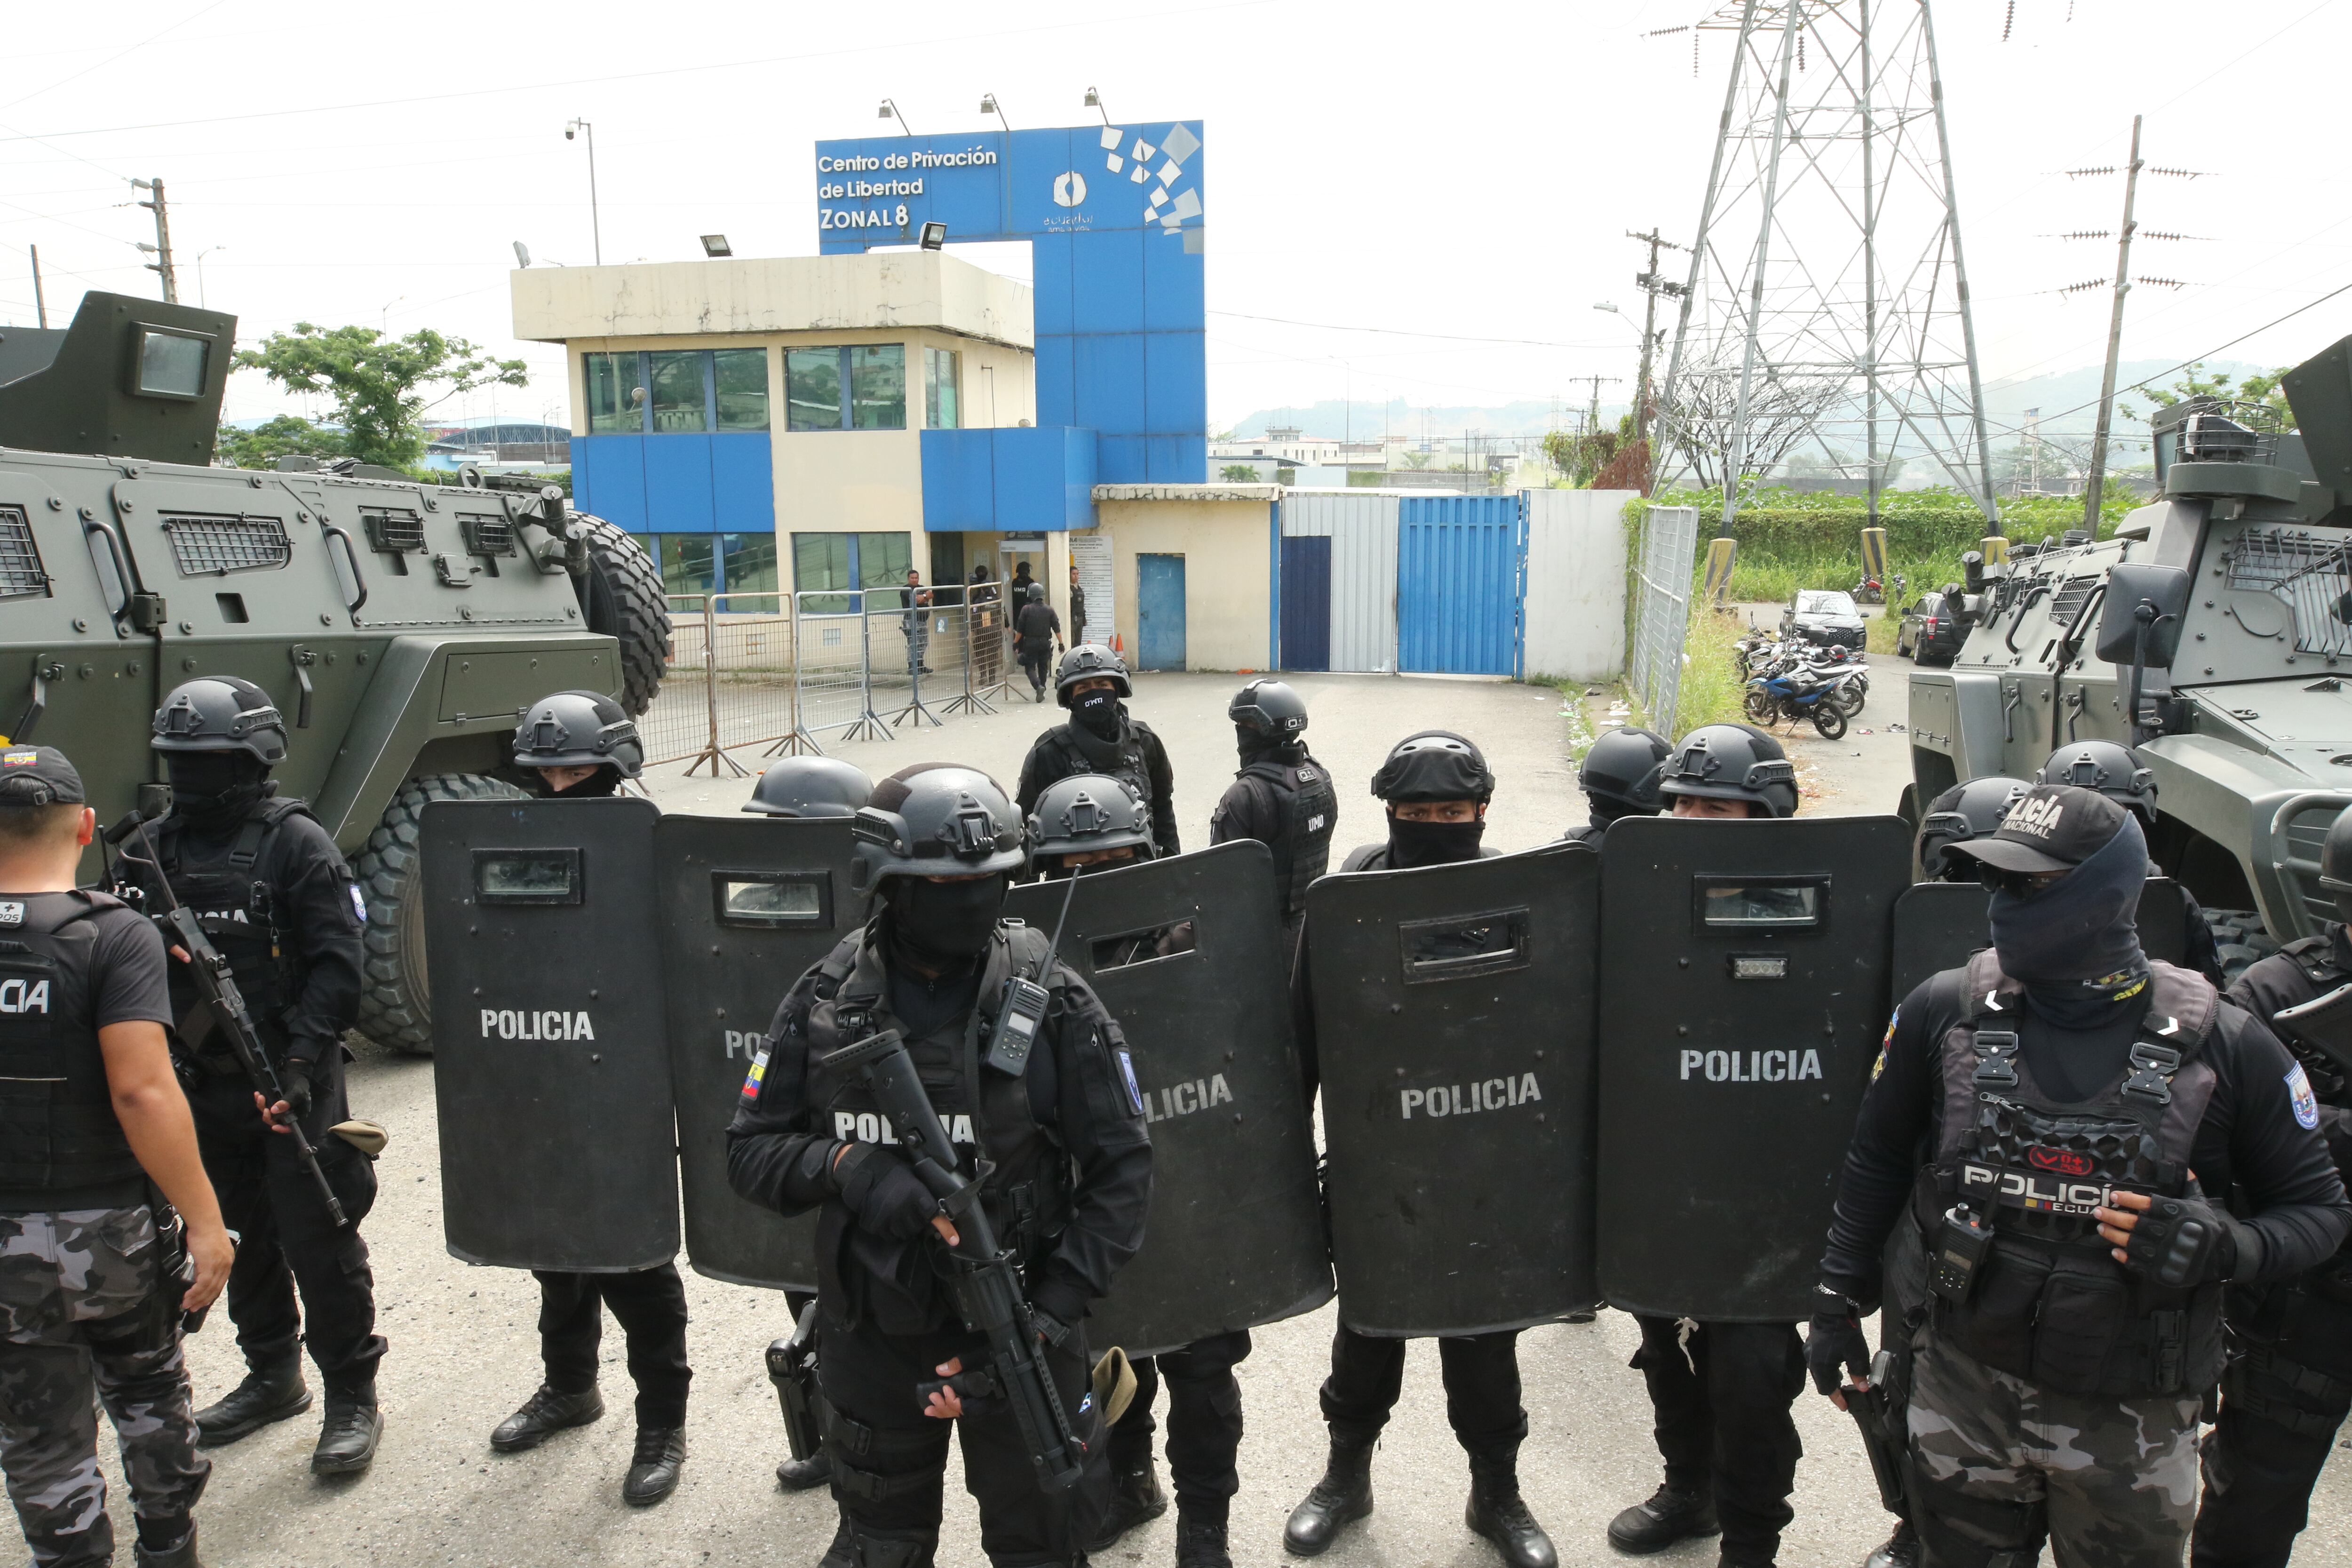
x=1999, y=1465
x=79, y=1309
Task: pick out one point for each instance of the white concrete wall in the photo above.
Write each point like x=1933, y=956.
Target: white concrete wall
x=895, y=288
x=1576, y=583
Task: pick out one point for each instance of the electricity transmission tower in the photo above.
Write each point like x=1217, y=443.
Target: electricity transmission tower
x=1827, y=303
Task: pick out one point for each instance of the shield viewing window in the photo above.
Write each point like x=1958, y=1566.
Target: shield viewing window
x=1761, y=903
x=1461, y=947
x=767, y=898
x=1130, y=948
x=528, y=877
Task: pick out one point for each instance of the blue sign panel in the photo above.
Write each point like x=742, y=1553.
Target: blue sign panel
x=1114, y=218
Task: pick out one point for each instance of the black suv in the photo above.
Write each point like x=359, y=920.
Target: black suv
x=1929, y=633
x=1824, y=615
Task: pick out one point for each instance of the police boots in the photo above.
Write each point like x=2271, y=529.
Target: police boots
x=1135, y=1499
x=1343, y=1496
x=180, y=1554
x=1901, y=1550
x=270, y=1393
x=1672, y=1514
x=348, y=1438
x=806, y=1475
x=1200, y=1541
x=1496, y=1511
x=653, y=1468
x=545, y=1413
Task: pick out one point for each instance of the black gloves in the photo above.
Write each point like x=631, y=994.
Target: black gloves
x=884, y=1192
x=2185, y=1242
x=294, y=1077
x=1834, y=1340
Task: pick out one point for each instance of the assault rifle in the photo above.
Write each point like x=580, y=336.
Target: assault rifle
x=986, y=1286
x=1874, y=1412
x=216, y=981
x=792, y=1367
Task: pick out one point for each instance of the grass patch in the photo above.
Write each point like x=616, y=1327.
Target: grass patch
x=1881, y=630
x=1712, y=691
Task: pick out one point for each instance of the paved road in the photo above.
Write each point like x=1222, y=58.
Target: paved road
x=464, y=1347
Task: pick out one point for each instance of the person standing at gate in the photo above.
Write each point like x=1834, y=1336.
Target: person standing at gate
x=580, y=745
x=917, y=622
x=1039, y=631
x=1078, y=606
x=1282, y=797
x=986, y=632
x=1721, y=1393
x=2049, y=1133
x=1100, y=737
x=275, y=896
x=1436, y=786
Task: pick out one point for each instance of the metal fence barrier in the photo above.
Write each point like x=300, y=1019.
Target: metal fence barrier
x=1661, y=612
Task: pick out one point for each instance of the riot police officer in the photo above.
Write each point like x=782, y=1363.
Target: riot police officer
x=1963, y=812
x=1618, y=777
x=1282, y=797
x=582, y=745
x=1088, y=820
x=2060, y=1263
x=1436, y=786
x=2289, y=1382
x=1038, y=631
x=1058, y=1147
x=2117, y=772
x=1100, y=737
x=276, y=898
x=1721, y=1393
x=90, y=1293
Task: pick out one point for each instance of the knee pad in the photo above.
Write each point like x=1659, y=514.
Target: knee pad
x=1964, y=1531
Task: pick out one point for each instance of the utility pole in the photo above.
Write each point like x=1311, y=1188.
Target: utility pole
x=163, y=245
x=40, y=304
x=2097, y=480
x=595, y=222
x=1652, y=285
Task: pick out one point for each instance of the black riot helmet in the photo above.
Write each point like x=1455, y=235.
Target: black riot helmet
x=221, y=713
x=1732, y=762
x=936, y=819
x=1270, y=711
x=810, y=786
x=2336, y=864
x=578, y=730
x=1621, y=772
x=1434, y=765
x=2113, y=770
x=1089, y=811
x=1964, y=812
x=1089, y=661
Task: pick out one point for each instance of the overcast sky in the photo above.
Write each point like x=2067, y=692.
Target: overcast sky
x=1466, y=169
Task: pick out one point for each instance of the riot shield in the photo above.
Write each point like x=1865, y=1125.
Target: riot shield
x=1454, y=1029
x=1938, y=924
x=1187, y=953
x=747, y=904
x=1745, y=992
x=551, y=1071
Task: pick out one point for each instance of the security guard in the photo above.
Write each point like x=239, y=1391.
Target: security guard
x=1038, y=633
x=90, y=1293
x=2060, y=1272
x=1060, y=1154
x=1618, y=777
x=1965, y=811
x=582, y=745
x=1721, y=1393
x=279, y=901
x=1436, y=786
x=2289, y=1382
x=1100, y=738
x=1282, y=797
x=2117, y=772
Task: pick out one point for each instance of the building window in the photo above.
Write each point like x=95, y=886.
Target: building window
x=875, y=375
x=687, y=562
x=679, y=393
x=943, y=386
x=884, y=560
x=748, y=562
x=812, y=388
x=877, y=386
x=616, y=393
x=739, y=379
x=832, y=563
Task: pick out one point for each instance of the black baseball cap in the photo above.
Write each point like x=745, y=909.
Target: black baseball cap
x=2053, y=827
x=37, y=775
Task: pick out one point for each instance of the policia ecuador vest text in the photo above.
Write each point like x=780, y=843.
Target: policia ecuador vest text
x=60, y=1145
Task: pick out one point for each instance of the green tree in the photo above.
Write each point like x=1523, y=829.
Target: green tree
x=1237, y=474
x=381, y=386
x=2262, y=390
x=288, y=435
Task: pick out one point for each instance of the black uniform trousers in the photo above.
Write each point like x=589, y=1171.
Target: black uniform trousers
x=651, y=1306
x=1482, y=1388
x=287, y=1243
x=1204, y=1421
x=2283, y=1398
x=1721, y=1393
x=889, y=1459
x=1039, y=664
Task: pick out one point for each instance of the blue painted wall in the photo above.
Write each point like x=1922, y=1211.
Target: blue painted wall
x=1008, y=480
x=722, y=483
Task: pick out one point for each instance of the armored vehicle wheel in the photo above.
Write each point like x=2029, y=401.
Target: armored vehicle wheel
x=622, y=597
x=1829, y=720
x=2239, y=939
x=394, y=1009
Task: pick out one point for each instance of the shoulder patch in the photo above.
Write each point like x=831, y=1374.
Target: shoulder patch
x=2299, y=1095
x=758, y=1076
x=1886, y=1044
x=359, y=902
x=1135, y=1094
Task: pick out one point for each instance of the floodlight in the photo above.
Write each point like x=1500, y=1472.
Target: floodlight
x=715, y=245
x=934, y=235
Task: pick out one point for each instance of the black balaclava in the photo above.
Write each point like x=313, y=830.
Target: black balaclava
x=2075, y=944
x=945, y=925
x=214, y=791
x=1257, y=746
x=606, y=780
x=1607, y=809
x=1432, y=843
x=1099, y=711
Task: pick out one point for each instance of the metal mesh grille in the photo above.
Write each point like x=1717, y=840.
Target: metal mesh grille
x=393, y=532
x=210, y=546
x=2310, y=574
x=20, y=561
x=487, y=535
x=2067, y=602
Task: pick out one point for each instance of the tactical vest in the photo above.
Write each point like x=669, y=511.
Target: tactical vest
x=1079, y=751
x=238, y=909
x=60, y=1144
x=2050, y=1304
x=1309, y=812
x=1022, y=1173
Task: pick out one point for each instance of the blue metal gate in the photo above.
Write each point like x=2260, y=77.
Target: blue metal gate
x=1307, y=603
x=1459, y=559
x=1159, y=612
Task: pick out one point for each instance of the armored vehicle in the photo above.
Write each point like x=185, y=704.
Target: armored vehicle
x=401, y=626
x=2222, y=611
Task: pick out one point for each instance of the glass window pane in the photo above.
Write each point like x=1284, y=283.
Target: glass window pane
x=751, y=562
x=686, y=562
x=820, y=560
x=942, y=371
x=616, y=397
x=677, y=393
x=742, y=382
x=877, y=386
x=812, y=388
x=884, y=560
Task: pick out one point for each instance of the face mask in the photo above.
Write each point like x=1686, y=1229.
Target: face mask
x=2075, y=943
x=604, y=781
x=1432, y=843
x=211, y=788
x=1098, y=711
x=946, y=922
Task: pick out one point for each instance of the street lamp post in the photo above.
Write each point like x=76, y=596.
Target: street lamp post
x=200, y=272
x=595, y=223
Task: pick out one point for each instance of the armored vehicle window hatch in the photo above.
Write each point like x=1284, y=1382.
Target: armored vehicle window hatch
x=217, y=545
x=393, y=531
x=2308, y=573
x=487, y=535
x=20, y=558
x=2067, y=602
